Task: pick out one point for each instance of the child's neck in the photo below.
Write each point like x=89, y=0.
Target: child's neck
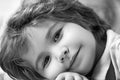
x=99, y=51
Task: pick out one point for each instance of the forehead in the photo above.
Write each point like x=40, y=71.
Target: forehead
x=41, y=23
x=38, y=29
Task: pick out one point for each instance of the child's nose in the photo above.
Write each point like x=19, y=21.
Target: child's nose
x=63, y=55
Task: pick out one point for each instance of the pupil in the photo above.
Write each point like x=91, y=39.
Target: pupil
x=57, y=36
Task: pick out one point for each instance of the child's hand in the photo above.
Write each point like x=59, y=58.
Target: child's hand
x=70, y=76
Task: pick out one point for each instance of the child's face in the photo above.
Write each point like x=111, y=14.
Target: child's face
x=57, y=47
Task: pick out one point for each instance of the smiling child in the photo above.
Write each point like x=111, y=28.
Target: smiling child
x=53, y=37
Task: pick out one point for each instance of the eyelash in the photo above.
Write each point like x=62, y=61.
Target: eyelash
x=57, y=35
x=46, y=61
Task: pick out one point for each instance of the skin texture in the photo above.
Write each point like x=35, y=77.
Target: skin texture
x=56, y=50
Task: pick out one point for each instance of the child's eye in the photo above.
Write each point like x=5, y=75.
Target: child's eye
x=57, y=35
x=46, y=61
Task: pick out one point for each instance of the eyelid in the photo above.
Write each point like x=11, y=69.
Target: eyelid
x=53, y=29
x=50, y=31
x=47, y=63
x=59, y=30
x=39, y=63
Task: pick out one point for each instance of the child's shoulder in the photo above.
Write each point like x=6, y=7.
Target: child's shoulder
x=115, y=52
x=111, y=55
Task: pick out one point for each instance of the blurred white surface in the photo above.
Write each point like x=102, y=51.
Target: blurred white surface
x=4, y=76
x=7, y=8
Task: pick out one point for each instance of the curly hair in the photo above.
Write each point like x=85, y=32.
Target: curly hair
x=15, y=41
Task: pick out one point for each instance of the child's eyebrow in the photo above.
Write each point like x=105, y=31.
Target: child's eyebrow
x=50, y=30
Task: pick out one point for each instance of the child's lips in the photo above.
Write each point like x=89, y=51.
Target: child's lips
x=74, y=57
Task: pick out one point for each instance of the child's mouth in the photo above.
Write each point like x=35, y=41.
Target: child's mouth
x=74, y=58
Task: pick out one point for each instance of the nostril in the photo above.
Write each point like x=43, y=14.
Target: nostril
x=64, y=56
x=65, y=52
x=62, y=59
